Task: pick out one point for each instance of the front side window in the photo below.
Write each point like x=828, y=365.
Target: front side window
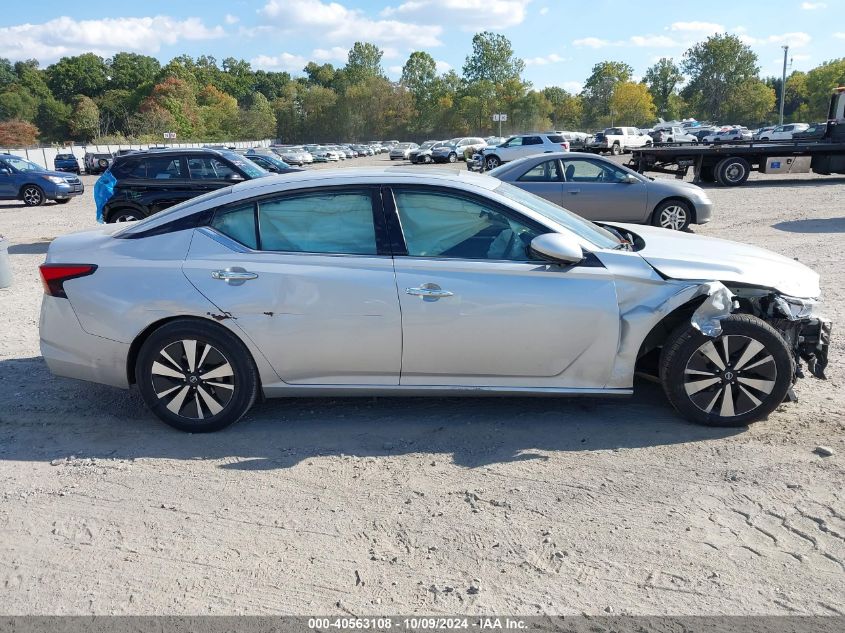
x=335, y=223
x=238, y=223
x=439, y=224
x=20, y=164
x=516, y=141
x=585, y=170
x=547, y=171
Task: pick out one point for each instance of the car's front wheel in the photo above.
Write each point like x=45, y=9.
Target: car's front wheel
x=125, y=215
x=196, y=376
x=32, y=196
x=672, y=214
x=734, y=379
x=453, y=157
x=491, y=162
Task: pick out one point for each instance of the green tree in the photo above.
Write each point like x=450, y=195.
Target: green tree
x=128, y=71
x=419, y=76
x=320, y=74
x=663, y=79
x=567, y=110
x=492, y=59
x=84, y=119
x=219, y=114
x=632, y=104
x=85, y=74
x=16, y=102
x=7, y=73
x=115, y=107
x=363, y=62
x=751, y=103
x=178, y=97
x=821, y=81
x=53, y=120
x=716, y=69
x=31, y=77
x=259, y=121
x=599, y=89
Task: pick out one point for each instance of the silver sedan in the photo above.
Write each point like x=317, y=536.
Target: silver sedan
x=599, y=189
x=381, y=282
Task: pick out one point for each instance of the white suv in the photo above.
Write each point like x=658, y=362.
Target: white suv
x=783, y=132
x=523, y=145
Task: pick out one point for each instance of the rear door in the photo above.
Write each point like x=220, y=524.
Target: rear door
x=545, y=179
x=155, y=182
x=312, y=284
x=598, y=190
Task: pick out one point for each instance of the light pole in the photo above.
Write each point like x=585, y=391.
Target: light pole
x=783, y=82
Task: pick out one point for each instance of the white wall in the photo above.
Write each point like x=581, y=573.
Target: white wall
x=44, y=155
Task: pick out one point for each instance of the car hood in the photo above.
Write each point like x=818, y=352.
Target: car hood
x=60, y=174
x=686, y=256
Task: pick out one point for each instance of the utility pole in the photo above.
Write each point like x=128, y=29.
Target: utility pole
x=783, y=82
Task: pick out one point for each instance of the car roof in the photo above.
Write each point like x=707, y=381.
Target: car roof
x=197, y=151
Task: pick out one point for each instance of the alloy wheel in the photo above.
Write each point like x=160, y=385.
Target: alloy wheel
x=673, y=217
x=730, y=375
x=193, y=379
x=32, y=196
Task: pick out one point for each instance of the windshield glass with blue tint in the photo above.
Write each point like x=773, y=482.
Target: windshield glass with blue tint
x=20, y=164
x=277, y=162
x=247, y=166
x=578, y=225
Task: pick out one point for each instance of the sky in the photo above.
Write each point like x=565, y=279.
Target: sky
x=560, y=40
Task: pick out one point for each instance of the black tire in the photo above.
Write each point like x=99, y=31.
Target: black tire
x=491, y=162
x=124, y=215
x=453, y=157
x=615, y=149
x=675, y=215
x=32, y=195
x=765, y=138
x=175, y=389
x=63, y=201
x=746, y=389
x=732, y=172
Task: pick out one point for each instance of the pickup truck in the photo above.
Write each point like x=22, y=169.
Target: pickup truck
x=619, y=139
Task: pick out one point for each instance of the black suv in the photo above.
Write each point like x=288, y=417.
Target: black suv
x=146, y=182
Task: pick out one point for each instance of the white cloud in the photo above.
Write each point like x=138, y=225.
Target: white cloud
x=552, y=58
x=794, y=40
x=64, y=36
x=652, y=41
x=337, y=24
x=334, y=54
x=840, y=35
x=810, y=6
x=284, y=61
x=471, y=15
x=594, y=42
x=697, y=27
x=442, y=67
x=394, y=71
x=544, y=10
x=640, y=41
x=231, y=19
x=572, y=86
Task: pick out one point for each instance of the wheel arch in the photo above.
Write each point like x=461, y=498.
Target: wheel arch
x=661, y=331
x=30, y=184
x=677, y=198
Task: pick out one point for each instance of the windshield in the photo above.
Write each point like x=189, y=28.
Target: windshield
x=578, y=225
x=277, y=162
x=22, y=165
x=428, y=144
x=249, y=168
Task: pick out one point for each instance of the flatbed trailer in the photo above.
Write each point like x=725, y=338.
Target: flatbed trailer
x=731, y=163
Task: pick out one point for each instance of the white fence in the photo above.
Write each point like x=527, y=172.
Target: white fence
x=45, y=156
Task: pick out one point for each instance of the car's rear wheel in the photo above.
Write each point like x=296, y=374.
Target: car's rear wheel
x=675, y=215
x=734, y=379
x=732, y=172
x=125, y=215
x=196, y=376
x=615, y=149
x=491, y=162
x=32, y=196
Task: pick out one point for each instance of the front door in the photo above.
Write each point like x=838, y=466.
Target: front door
x=599, y=190
x=312, y=287
x=8, y=190
x=478, y=310
x=545, y=179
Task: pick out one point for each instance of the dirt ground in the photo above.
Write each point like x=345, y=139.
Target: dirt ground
x=400, y=506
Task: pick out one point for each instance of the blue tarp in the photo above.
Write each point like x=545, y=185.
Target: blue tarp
x=103, y=191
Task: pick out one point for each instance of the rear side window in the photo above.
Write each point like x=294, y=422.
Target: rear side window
x=547, y=171
x=556, y=138
x=532, y=140
x=162, y=167
x=332, y=223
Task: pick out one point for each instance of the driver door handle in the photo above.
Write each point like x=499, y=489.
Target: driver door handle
x=429, y=291
x=573, y=191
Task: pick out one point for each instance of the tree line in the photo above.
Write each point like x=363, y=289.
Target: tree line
x=134, y=98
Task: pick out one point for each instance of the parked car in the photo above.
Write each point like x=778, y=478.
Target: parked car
x=783, y=132
x=144, y=183
x=294, y=155
x=672, y=134
x=522, y=145
x=423, y=153
x=402, y=151
x=597, y=188
x=700, y=133
x=577, y=140
x=736, y=133
x=813, y=133
x=229, y=297
x=33, y=184
x=766, y=129
x=616, y=140
x=67, y=163
x=272, y=163
x=445, y=152
x=97, y=163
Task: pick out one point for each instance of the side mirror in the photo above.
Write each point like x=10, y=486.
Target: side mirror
x=5, y=171
x=558, y=247
x=630, y=179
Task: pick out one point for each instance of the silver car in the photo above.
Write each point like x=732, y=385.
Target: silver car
x=383, y=282
x=599, y=189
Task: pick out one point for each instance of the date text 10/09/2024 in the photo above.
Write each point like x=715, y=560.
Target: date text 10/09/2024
x=418, y=623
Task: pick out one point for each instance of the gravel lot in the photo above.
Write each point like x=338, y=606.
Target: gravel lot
x=400, y=506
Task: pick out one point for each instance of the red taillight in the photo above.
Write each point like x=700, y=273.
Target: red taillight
x=53, y=276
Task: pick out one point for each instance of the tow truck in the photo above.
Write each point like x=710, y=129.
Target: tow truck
x=730, y=164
